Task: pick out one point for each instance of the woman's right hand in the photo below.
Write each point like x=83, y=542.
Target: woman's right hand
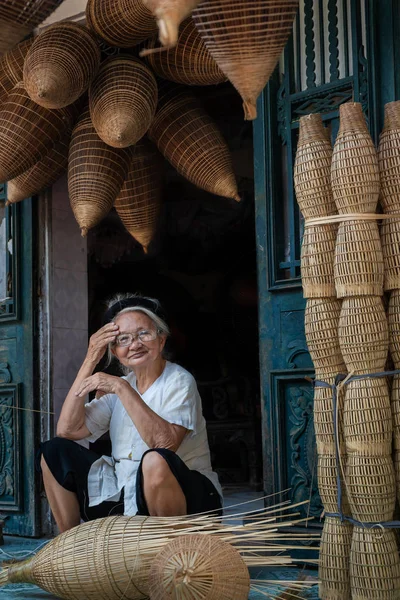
x=99, y=341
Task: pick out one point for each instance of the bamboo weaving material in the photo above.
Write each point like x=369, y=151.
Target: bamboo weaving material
x=61, y=64
x=317, y=258
x=394, y=327
x=323, y=418
x=389, y=159
x=169, y=15
x=395, y=404
x=246, y=39
x=123, y=101
x=334, y=574
x=192, y=142
x=11, y=68
x=396, y=462
x=327, y=484
x=390, y=237
x=321, y=324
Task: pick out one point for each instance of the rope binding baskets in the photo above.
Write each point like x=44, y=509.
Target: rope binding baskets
x=11, y=68
x=169, y=15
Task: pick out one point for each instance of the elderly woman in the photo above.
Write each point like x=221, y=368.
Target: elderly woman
x=160, y=463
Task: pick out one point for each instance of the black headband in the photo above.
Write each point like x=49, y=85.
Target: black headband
x=139, y=302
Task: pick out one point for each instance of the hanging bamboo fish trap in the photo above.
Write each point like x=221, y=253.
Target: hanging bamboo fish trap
x=246, y=39
x=364, y=334
x=139, y=201
x=312, y=169
x=321, y=323
x=374, y=565
x=396, y=462
x=394, y=327
x=192, y=142
x=359, y=267
x=18, y=18
x=96, y=173
x=123, y=101
x=395, y=404
x=390, y=237
x=389, y=159
x=317, y=257
x=334, y=555
x=11, y=68
x=323, y=418
x=355, y=170
x=189, y=62
x=199, y=567
x=169, y=15
x=29, y=131
x=327, y=484
x=61, y=64
x=122, y=23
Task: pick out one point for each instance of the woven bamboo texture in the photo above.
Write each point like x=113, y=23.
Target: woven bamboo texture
x=199, y=567
x=394, y=327
x=395, y=404
x=396, y=462
x=355, y=170
x=139, y=201
x=367, y=418
x=390, y=237
x=28, y=132
x=11, y=68
x=43, y=174
x=189, y=62
x=334, y=555
x=323, y=420
x=371, y=487
x=169, y=15
x=122, y=23
x=389, y=159
x=61, y=64
x=321, y=324
x=364, y=334
x=312, y=169
x=327, y=484
x=123, y=101
x=359, y=267
x=96, y=173
x=246, y=39
x=374, y=565
x=317, y=258
x=191, y=141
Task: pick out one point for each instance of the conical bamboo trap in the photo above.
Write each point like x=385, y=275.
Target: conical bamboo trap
x=61, y=64
x=389, y=159
x=139, y=201
x=123, y=101
x=192, y=142
x=321, y=322
x=169, y=15
x=312, y=169
x=189, y=62
x=334, y=573
x=122, y=23
x=246, y=39
x=317, y=258
x=29, y=131
x=11, y=68
x=96, y=173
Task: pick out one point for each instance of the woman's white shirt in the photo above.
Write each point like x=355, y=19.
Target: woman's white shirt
x=174, y=397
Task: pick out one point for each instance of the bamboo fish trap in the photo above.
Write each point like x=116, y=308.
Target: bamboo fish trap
x=29, y=131
x=61, y=64
x=389, y=159
x=123, y=101
x=394, y=327
x=139, y=201
x=11, y=68
x=192, y=142
x=321, y=324
x=96, y=173
x=246, y=39
x=334, y=573
x=169, y=15
x=317, y=260
x=189, y=62
x=390, y=237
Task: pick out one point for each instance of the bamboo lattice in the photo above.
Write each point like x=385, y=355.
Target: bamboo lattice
x=321, y=323
x=334, y=573
x=323, y=419
x=317, y=258
x=395, y=405
x=389, y=159
x=390, y=237
x=327, y=484
x=394, y=327
x=169, y=15
x=11, y=68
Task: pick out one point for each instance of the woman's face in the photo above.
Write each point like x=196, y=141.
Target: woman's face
x=138, y=354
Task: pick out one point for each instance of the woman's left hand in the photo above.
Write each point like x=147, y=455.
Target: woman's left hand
x=108, y=384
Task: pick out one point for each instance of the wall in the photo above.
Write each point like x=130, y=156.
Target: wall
x=72, y=10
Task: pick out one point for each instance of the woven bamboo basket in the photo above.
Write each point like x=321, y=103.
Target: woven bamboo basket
x=169, y=15
x=317, y=258
x=123, y=101
x=364, y=334
x=42, y=175
x=139, y=201
x=246, y=39
x=189, y=62
x=396, y=461
x=61, y=64
x=374, y=565
x=312, y=169
x=394, y=327
x=395, y=404
x=327, y=484
x=323, y=419
x=371, y=487
x=355, y=170
x=321, y=322
x=389, y=159
x=367, y=418
x=28, y=132
x=334, y=555
x=11, y=68
x=199, y=567
x=390, y=236
x=96, y=173
x=192, y=142
x=19, y=17
x=359, y=268
x=122, y=23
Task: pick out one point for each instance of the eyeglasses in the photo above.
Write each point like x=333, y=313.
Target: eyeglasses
x=126, y=339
